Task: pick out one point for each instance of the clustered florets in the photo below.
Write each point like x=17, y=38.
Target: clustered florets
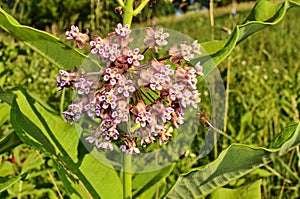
x=130, y=115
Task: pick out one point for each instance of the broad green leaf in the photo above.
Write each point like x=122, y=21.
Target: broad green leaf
x=4, y=110
x=234, y=162
x=264, y=14
x=12, y=181
x=47, y=132
x=250, y=191
x=145, y=185
x=49, y=46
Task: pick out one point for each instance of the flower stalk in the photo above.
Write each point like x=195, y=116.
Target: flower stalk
x=127, y=178
x=128, y=12
x=140, y=7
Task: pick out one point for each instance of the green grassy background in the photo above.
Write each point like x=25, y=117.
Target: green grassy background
x=263, y=84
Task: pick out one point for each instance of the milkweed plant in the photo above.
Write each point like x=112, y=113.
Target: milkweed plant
x=141, y=94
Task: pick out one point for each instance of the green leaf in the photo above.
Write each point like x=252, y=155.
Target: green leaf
x=250, y=191
x=144, y=183
x=12, y=181
x=47, y=132
x=261, y=173
x=264, y=14
x=4, y=110
x=49, y=46
x=9, y=142
x=227, y=167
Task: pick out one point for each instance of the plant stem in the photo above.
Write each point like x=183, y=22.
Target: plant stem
x=121, y=3
x=227, y=95
x=127, y=178
x=212, y=21
x=140, y=7
x=92, y=7
x=97, y=15
x=128, y=12
x=20, y=189
x=62, y=100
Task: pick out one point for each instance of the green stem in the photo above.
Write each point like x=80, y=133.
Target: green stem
x=20, y=189
x=92, y=22
x=140, y=7
x=227, y=95
x=128, y=12
x=97, y=15
x=62, y=100
x=127, y=178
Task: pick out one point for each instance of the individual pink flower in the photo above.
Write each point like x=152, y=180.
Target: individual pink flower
x=123, y=31
x=83, y=86
x=156, y=81
x=196, y=48
x=199, y=69
x=125, y=87
x=80, y=38
x=134, y=57
x=167, y=114
x=106, y=145
x=189, y=98
x=185, y=52
x=155, y=38
x=191, y=77
x=132, y=150
x=186, y=76
x=108, y=99
x=163, y=133
x=120, y=114
x=177, y=120
x=167, y=70
x=92, y=109
x=161, y=112
x=76, y=110
x=143, y=118
x=176, y=91
x=94, y=138
x=66, y=78
x=96, y=44
x=130, y=147
x=108, y=129
x=110, y=52
x=112, y=76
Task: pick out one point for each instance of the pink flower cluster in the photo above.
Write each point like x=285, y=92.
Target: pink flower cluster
x=136, y=102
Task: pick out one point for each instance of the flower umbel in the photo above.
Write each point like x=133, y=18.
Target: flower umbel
x=135, y=101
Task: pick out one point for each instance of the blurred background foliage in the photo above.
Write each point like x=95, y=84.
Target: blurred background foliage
x=262, y=75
